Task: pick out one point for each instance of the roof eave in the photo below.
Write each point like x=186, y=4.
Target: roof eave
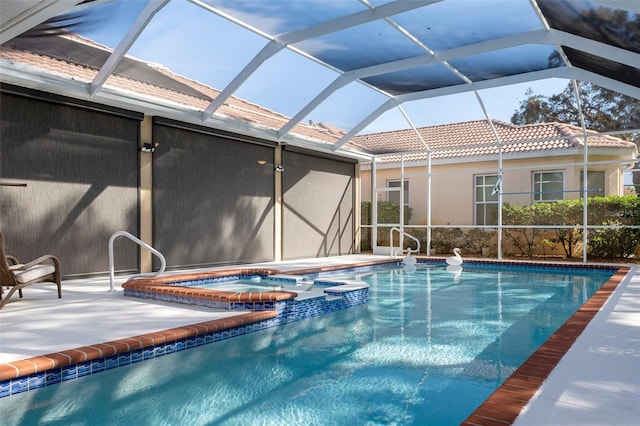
x=30, y=77
x=624, y=153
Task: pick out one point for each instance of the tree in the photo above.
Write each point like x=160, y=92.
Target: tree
x=603, y=109
x=534, y=109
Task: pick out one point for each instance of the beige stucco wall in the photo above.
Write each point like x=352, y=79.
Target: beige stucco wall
x=146, y=198
x=453, y=184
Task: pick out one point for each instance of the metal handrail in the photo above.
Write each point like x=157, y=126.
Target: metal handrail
x=163, y=262
x=400, y=231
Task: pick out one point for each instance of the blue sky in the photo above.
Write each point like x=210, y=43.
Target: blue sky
x=200, y=45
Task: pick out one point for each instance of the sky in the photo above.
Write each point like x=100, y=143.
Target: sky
x=205, y=47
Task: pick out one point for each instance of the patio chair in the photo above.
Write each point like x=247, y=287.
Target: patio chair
x=16, y=275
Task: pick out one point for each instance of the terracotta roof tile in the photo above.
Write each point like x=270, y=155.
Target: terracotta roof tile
x=80, y=59
x=476, y=138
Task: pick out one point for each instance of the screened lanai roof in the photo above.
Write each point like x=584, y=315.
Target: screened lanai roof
x=342, y=62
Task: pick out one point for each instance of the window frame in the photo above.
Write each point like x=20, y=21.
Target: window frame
x=593, y=193
x=537, y=193
x=406, y=190
x=487, y=188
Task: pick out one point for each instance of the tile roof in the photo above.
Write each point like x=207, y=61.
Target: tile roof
x=476, y=138
x=77, y=58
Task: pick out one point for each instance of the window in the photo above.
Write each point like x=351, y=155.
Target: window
x=548, y=186
x=486, y=204
x=394, y=196
x=595, y=183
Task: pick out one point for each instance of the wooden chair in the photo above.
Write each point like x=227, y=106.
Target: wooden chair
x=17, y=276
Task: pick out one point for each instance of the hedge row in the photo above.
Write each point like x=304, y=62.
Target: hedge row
x=608, y=243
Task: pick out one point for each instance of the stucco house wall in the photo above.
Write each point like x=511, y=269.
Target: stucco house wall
x=452, y=185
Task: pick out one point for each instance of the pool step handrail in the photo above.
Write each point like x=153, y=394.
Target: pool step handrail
x=163, y=262
x=406, y=234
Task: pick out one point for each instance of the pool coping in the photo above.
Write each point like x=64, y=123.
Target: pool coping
x=85, y=354
x=502, y=407
x=41, y=364
x=168, y=285
x=506, y=403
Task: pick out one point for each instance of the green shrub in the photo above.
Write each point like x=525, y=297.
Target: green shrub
x=387, y=213
x=475, y=239
x=567, y=212
x=444, y=240
x=602, y=243
x=526, y=240
x=618, y=243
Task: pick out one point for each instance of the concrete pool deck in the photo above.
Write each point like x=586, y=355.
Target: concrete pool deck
x=596, y=382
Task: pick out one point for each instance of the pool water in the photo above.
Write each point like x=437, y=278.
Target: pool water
x=430, y=346
x=256, y=284
x=241, y=286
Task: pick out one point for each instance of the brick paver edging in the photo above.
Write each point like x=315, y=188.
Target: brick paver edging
x=506, y=403
x=42, y=363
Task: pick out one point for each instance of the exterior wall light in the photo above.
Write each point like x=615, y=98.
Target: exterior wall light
x=149, y=147
x=279, y=168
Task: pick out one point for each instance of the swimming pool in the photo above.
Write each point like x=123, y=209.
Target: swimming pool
x=428, y=348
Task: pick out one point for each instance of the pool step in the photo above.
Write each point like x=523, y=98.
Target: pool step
x=286, y=279
x=334, y=292
x=290, y=282
x=346, y=286
x=346, y=290
x=331, y=298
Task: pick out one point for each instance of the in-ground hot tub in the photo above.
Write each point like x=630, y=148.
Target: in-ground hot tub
x=293, y=297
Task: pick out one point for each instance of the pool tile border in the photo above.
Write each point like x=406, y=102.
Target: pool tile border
x=40, y=371
x=175, y=288
x=178, y=288
x=507, y=402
